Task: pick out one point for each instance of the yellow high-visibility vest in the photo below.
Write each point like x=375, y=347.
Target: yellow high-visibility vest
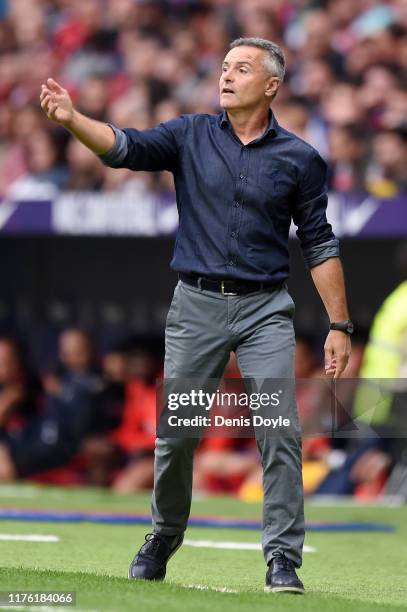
x=383, y=358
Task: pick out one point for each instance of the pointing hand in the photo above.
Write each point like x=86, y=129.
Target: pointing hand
x=56, y=102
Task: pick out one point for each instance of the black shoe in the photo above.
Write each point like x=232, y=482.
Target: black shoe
x=150, y=563
x=281, y=576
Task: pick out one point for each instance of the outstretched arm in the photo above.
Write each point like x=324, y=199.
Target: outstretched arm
x=57, y=104
x=153, y=149
x=329, y=281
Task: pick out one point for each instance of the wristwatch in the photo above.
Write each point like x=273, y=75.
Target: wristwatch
x=343, y=326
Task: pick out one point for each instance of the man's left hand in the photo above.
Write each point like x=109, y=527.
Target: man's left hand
x=337, y=351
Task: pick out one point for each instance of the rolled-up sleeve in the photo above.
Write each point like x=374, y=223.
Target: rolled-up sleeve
x=153, y=149
x=115, y=156
x=318, y=242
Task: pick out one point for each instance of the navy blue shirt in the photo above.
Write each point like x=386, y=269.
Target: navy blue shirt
x=235, y=201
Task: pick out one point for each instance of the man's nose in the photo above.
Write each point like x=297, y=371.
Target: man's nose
x=227, y=75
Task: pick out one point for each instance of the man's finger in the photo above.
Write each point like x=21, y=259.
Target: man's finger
x=341, y=365
x=328, y=356
x=330, y=361
x=54, y=86
x=46, y=99
x=52, y=108
x=45, y=102
x=45, y=96
x=45, y=92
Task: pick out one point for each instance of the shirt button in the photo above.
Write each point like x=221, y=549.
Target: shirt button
x=241, y=176
x=232, y=262
x=234, y=234
x=236, y=204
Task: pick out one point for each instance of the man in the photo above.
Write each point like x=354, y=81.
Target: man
x=239, y=179
x=51, y=438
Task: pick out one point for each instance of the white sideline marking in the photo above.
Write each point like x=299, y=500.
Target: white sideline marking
x=31, y=537
x=204, y=587
x=18, y=491
x=329, y=501
x=43, y=609
x=234, y=545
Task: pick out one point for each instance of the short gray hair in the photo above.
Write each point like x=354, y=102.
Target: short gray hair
x=274, y=62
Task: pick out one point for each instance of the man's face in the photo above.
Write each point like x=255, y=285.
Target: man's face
x=74, y=350
x=244, y=82
x=10, y=368
x=389, y=151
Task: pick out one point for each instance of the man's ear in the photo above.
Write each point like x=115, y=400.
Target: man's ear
x=272, y=86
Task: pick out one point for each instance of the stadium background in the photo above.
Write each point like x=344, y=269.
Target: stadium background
x=138, y=63
x=87, y=248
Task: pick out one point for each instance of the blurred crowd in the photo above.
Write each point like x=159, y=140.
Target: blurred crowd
x=91, y=420
x=137, y=63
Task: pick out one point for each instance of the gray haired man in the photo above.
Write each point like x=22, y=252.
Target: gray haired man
x=240, y=179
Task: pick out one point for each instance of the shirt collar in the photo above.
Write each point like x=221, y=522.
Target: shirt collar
x=272, y=126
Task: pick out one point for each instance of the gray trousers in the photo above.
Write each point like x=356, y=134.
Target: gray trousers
x=202, y=329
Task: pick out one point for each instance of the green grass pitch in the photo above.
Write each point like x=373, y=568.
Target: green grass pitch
x=348, y=571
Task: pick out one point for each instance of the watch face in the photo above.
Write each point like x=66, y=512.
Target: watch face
x=350, y=327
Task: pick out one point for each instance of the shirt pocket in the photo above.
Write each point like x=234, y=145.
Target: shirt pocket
x=276, y=179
